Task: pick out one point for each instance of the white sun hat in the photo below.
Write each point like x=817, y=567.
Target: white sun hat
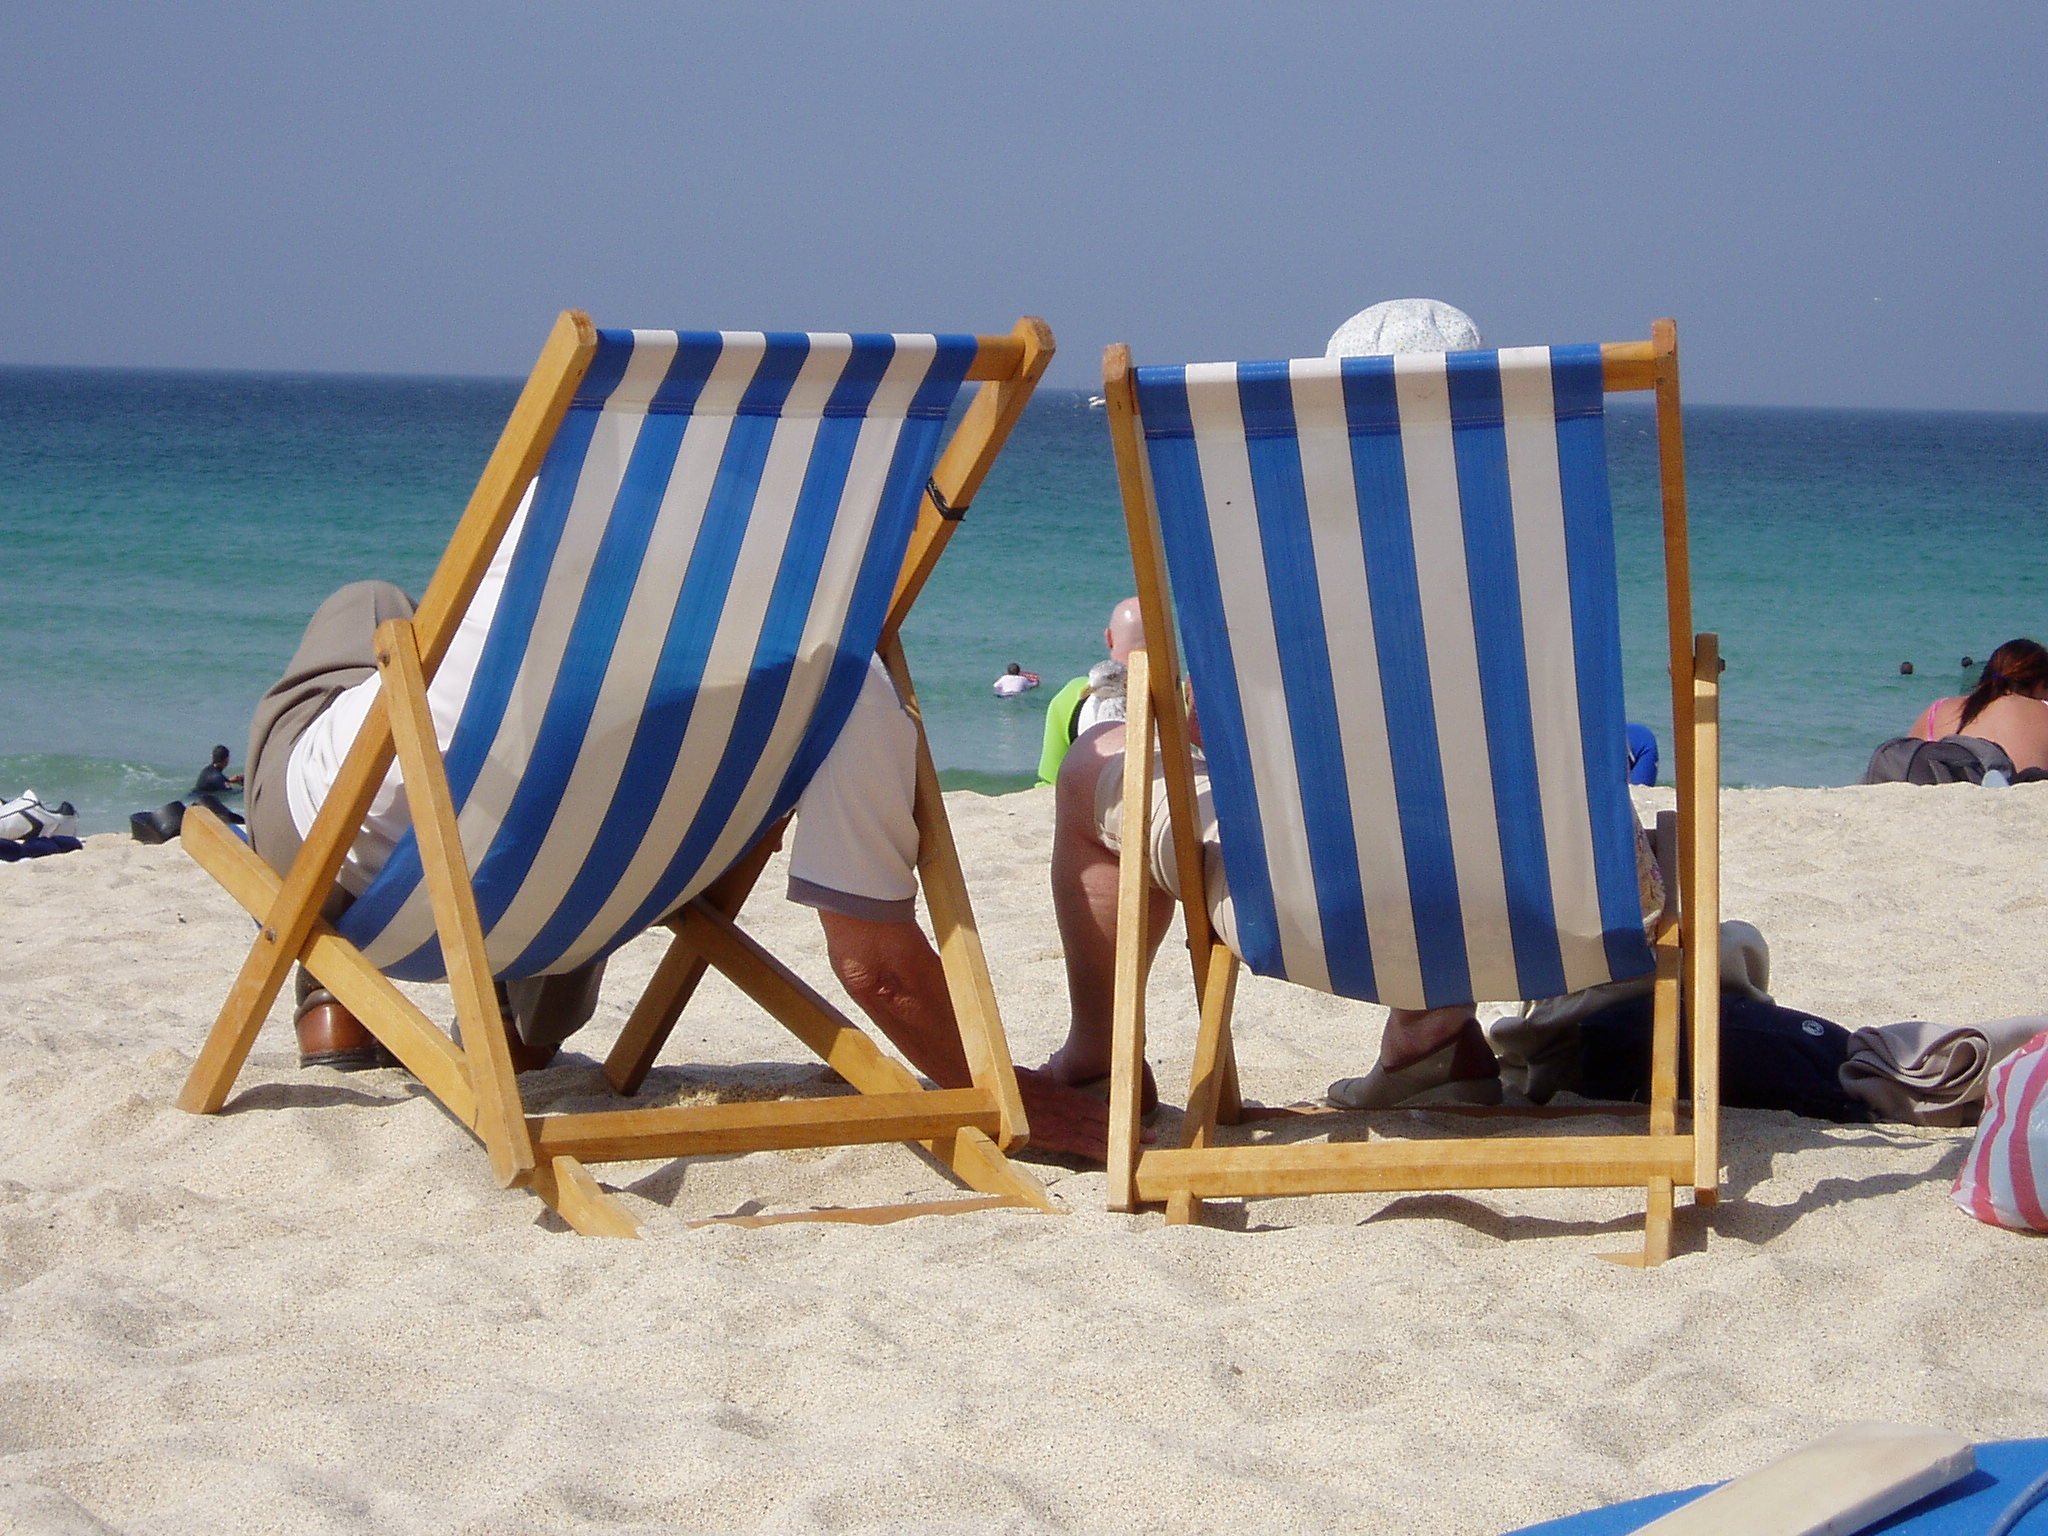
x=1404, y=325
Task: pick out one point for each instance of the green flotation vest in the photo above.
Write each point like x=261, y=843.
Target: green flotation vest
x=1060, y=716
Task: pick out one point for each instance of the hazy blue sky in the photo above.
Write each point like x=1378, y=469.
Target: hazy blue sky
x=1841, y=203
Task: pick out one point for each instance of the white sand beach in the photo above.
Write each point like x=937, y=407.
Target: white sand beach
x=317, y=1313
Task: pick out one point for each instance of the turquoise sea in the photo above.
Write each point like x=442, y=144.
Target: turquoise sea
x=163, y=536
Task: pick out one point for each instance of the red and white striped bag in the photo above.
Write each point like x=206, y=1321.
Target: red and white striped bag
x=2005, y=1178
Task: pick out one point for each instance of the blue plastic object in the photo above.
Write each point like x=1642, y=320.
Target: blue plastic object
x=2009, y=1473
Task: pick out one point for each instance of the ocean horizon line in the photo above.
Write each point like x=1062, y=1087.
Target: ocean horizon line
x=1625, y=404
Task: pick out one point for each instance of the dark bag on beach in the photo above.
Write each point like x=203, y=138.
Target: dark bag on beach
x=1771, y=1058
x=159, y=825
x=1951, y=760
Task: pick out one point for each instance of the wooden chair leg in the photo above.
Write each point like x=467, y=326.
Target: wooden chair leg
x=581, y=1201
x=501, y=1115
x=977, y=1162
x=1656, y=1231
x=1214, y=1052
x=675, y=979
x=1702, y=880
x=654, y=1016
x=961, y=955
x=1230, y=1105
x=285, y=922
x=1133, y=916
x=241, y=1017
x=1664, y=1039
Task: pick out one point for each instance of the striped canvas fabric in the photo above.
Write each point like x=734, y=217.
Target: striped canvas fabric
x=700, y=579
x=1396, y=587
x=2004, y=1180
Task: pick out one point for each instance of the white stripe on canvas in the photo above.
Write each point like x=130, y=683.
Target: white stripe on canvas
x=603, y=469
x=629, y=675
x=1543, y=569
x=705, y=736
x=852, y=530
x=1331, y=490
x=1429, y=458
x=1217, y=416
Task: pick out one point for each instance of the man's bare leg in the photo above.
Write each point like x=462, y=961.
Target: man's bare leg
x=1469, y=1074
x=1084, y=900
x=894, y=976
x=1413, y=1033
x=1084, y=895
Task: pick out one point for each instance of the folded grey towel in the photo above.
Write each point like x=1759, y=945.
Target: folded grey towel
x=1918, y=1073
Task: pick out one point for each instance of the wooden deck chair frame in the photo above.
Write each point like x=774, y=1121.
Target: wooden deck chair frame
x=968, y=1130
x=1684, y=942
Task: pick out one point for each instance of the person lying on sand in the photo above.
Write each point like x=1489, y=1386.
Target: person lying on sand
x=852, y=857
x=2007, y=706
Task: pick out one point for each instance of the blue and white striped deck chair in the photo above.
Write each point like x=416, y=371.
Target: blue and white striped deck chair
x=723, y=529
x=1394, y=580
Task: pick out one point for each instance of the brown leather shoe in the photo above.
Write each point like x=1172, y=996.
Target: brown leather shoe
x=528, y=1058
x=331, y=1036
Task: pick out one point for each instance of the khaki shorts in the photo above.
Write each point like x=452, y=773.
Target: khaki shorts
x=855, y=847
x=1165, y=866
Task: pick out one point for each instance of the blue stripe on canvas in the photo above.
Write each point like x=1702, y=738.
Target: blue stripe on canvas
x=504, y=647
x=1394, y=592
x=874, y=583
x=659, y=732
x=697, y=353
x=782, y=358
x=621, y=555
x=866, y=363
x=1479, y=440
x=1577, y=381
x=607, y=367
x=1191, y=558
x=910, y=467
x=1266, y=398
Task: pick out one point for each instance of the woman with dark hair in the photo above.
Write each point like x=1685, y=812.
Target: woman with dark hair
x=2007, y=706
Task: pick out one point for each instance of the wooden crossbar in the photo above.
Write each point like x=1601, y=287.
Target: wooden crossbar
x=998, y=359
x=1312, y=1168
x=628, y=1135
x=1628, y=365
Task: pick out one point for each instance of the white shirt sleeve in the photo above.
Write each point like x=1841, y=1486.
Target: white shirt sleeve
x=317, y=755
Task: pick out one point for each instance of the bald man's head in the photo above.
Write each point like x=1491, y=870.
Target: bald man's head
x=1126, y=632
